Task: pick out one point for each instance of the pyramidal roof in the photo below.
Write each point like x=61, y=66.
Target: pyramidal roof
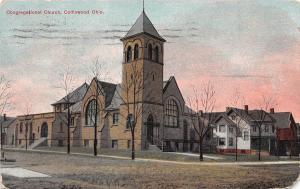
x=143, y=25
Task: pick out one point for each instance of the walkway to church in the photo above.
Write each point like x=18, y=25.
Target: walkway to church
x=170, y=161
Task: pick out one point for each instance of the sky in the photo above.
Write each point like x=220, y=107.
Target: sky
x=249, y=45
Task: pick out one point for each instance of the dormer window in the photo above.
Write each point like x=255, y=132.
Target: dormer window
x=136, y=52
x=129, y=54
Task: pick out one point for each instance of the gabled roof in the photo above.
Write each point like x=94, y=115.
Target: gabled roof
x=225, y=116
x=143, y=25
x=75, y=96
x=116, y=99
x=109, y=90
x=252, y=115
x=283, y=119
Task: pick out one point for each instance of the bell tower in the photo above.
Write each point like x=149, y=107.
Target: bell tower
x=142, y=75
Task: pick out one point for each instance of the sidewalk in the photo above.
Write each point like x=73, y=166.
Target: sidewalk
x=168, y=161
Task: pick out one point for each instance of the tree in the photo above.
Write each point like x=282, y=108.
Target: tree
x=5, y=102
x=66, y=84
x=131, y=89
x=28, y=108
x=237, y=101
x=261, y=118
x=203, y=103
x=98, y=72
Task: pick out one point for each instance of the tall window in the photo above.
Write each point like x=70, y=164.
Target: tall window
x=230, y=141
x=129, y=54
x=91, y=112
x=266, y=128
x=246, y=135
x=150, y=51
x=156, y=54
x=115, y=118
x=171, y=114
x=136, y=51
x=21, y=127
x=129, y=121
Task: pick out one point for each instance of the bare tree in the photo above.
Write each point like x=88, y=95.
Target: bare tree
x=98, y=72
x=238, y=101
x=66, y=84
x=131, y=89
x=261, y=118
x=28, y=109
x=5, y=102
x=203, y=103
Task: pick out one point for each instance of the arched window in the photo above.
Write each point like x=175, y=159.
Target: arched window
x=136, y=51
x=156, y=54
x=150, y=52
x=171, y=114
x=129, y=54
x=91, y=112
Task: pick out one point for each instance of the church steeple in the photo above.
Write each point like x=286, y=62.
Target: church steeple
x=143, y=25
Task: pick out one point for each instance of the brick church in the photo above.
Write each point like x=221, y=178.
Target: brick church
x=156, y=106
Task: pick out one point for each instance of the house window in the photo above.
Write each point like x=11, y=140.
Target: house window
x=136, y=51
x=233, y=117
x=230, y=129
x=20, y=141
x=230, y=141
x=86, y=143
x=114, y=144
x=129, y=54
x=273, y=128
x=128, y=144
x=91, y=112
x=222, y=128
x=222, y=142
x=21, y=127
x=254, y=128
x=150, y=52
x=246, y=135
x=171, y=114
x=72, y=121
x=115, y=118
x=266, y=128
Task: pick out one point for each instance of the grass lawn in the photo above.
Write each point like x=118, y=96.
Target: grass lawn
x=69, y=171
x=169, y=156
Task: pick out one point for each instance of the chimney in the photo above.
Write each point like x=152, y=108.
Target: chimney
x=246, y=108
x=4, y=117
x=272, y=111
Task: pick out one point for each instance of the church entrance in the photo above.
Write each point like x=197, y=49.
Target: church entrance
x=44, y=130
x=150, y=129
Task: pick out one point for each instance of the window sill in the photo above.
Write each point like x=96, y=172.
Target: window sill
x=88, y=126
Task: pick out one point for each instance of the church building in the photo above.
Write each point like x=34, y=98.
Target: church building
x=155, y=107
